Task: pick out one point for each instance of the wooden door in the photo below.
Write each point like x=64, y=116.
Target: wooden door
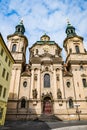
x=47, y=107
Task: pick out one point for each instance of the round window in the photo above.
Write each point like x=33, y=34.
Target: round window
x=68, y=84
x=25, y=84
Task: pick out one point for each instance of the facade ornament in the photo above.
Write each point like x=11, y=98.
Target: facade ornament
x=34, y=92
x=35, y=77
x=57, y=77
x=59, y=94
x=48, y=94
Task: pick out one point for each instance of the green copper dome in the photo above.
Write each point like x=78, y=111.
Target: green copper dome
x=20, y=29
x=70, y=30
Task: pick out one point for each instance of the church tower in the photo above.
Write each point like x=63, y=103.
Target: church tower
x=73, y=43
x=76, y=61
x=17, y=44
x=47, y=86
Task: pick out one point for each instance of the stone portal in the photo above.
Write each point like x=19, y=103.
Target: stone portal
x=47, y=105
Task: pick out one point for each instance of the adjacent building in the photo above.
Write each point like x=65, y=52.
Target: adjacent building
x=6, y=62
x=48, y=85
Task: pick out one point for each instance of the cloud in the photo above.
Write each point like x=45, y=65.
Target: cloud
x=48, y=16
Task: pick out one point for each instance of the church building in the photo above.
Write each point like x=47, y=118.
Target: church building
x=47, y=85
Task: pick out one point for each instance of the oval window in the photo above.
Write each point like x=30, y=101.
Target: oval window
x=25, y=84
x=68, y=84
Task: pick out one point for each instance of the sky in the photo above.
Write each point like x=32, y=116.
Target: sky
x=44, y=16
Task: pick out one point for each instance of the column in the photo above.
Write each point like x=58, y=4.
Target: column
x=61, y=83
x=39, y=84
x=32, y=83
x=55, y=84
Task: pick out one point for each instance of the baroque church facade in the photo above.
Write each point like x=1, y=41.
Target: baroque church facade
x=47, y=85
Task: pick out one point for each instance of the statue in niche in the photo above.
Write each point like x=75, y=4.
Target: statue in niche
x=59, y=94
x=34, y=94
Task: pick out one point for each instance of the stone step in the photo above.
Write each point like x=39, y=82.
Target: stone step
x=49, y=118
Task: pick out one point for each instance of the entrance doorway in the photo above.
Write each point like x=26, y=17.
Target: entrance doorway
x=47, y=105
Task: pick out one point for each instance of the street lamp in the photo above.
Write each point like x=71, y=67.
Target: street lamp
x=77, y=110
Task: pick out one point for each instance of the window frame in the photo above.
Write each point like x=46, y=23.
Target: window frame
x=14, y=47
x=7, y=76
x=1, y=87
x=2, y=51
x=6, y=58
x=84, y=82
x=47, y=85
x=25, y=84
x=4, y=93
x=36, y=51
x=3, y=72
x=71, y=104
x=23, y=103
x=77, y=49
x=68, y=84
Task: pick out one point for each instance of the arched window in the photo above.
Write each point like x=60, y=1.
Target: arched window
x=70, y=103
x=23, y=103
x=77, y=49
x=14, y=48
x=84, y=83
x=36, y=51
x=81, y=67
x=46, y=80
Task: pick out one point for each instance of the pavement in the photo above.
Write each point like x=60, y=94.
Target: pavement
x=40, y=125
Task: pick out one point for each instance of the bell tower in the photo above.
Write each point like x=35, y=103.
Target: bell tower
x=73, y=43
x=76, y=61
x=17, y=43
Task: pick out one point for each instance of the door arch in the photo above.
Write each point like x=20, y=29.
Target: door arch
x=47, y=105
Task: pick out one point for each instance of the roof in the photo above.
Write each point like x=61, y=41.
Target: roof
x=6, y=48
x=43, y=42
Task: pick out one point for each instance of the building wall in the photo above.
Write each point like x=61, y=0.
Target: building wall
x=66, y=94
x=4, y=79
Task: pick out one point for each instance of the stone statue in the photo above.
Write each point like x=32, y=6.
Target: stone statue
x=59, y=94
x=34, y=94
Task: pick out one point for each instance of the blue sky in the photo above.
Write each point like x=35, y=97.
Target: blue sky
x=44, y=16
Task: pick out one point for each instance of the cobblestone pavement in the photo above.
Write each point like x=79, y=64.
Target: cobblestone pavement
x=39, y=125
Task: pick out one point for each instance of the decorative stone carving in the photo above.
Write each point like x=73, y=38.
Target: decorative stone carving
x=34, y=94
x=57, y=77
x=46, y=68
x=35, y=77
x=47, y=95
x=59, y=94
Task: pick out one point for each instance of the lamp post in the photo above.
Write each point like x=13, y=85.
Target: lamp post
x=77, y=110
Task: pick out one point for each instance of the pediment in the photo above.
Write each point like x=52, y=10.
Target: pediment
x=25, y=73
